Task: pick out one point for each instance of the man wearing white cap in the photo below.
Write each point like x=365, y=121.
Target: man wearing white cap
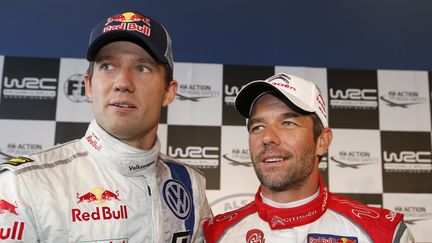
x=288, y=135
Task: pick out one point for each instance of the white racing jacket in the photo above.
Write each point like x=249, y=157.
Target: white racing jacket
x=98, y=189
x=328, y=218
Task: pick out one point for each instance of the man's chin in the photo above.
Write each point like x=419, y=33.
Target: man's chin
x=120, y=130
x=278, y=183
x=273, y=182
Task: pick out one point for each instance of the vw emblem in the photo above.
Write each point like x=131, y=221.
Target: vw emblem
x=177, y=198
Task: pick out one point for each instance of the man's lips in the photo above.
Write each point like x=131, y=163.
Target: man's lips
x=123, y=104
x=273, y=159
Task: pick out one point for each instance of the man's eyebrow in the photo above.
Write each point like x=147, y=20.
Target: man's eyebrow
x=254, y=120
x=290, y=114
x=283, y=115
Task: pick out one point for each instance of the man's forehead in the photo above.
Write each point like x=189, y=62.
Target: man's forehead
x=114, y=49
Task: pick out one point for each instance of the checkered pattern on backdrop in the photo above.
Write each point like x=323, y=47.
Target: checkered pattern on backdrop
x=381, y=119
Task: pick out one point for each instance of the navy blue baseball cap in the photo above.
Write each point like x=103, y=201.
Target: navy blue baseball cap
x=134, y=27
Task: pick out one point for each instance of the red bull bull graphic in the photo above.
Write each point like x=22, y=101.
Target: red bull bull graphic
x=98, y=196
x=129, y=21
x=5, y=206
x=128, y=17
x=89, y=197
x=117, y=18
x=108, y=195
x=12, y=233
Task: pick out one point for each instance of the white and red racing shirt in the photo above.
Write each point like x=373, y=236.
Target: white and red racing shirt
x=327, y=218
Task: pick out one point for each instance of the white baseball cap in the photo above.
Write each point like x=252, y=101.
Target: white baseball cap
x=302, y=93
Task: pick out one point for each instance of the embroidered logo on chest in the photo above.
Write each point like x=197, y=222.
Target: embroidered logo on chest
x=255, y=236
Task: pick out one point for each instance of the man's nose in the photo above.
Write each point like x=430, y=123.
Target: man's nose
x=124, y=82
x=271, y=136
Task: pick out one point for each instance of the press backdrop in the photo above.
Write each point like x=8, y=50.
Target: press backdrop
x=381, y=120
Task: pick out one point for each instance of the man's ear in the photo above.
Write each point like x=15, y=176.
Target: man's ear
x=324, y=141
x=88, y=87
x=170, y=93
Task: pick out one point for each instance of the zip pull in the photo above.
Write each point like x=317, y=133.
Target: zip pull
x=148, y=186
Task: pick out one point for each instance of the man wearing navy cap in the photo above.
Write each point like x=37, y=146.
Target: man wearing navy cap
x=113, y=185
x=288, y=135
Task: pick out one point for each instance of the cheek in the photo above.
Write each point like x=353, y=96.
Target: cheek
x=99, y=95
x=94, y=93
x=99, y=88
x=253, y=144
x=304, y=144
x=155, y=93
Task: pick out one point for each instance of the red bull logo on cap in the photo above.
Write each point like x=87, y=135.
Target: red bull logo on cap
x=129, y=21
x=128, y=17
x=99, y=196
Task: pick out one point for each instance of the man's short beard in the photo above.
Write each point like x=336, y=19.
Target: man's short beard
x=290, y=181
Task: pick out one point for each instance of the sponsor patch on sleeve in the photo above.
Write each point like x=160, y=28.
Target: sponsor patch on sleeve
x=18, y=161
x=321, y=238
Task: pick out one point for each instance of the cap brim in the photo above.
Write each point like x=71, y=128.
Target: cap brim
x=250, y=92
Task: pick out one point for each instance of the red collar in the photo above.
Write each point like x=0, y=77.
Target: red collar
x=282, y=218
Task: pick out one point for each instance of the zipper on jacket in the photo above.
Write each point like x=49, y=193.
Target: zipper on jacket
x=151, y=210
